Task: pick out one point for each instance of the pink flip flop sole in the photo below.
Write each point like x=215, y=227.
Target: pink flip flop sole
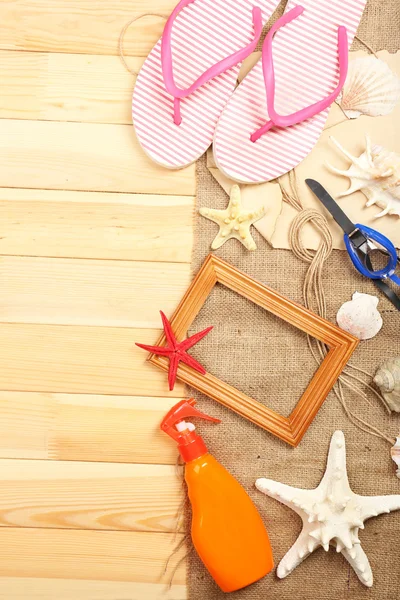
x=203, y=33
x=305, y=54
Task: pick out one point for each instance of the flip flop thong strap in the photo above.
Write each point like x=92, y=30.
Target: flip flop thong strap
x=277, y=120
x=220, y=67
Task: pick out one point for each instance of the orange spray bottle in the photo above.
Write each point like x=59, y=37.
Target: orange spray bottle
x=227, y=530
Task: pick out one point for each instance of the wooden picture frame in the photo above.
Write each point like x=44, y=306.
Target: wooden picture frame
x=341, y=345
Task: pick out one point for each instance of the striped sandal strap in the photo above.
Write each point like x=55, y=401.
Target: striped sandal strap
x=215, y=70
x=277, y=120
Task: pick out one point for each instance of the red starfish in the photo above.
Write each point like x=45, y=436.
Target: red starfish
x=177, y=351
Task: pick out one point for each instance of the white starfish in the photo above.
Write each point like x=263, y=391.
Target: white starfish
x=233, y=221
x=331, y=514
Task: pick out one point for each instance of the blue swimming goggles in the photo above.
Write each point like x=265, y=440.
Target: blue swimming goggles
x=361, y=242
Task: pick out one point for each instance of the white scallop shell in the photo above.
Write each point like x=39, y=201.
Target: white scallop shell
x=371, y=88
x=376, y=173
x=395, y=452
x=387, y=378
x=360, y=316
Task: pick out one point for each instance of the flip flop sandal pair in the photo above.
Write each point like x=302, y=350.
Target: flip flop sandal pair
x=273, y=119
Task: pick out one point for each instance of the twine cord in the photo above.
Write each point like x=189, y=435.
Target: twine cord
x=367, y=46
x=314, y=299
x=186, y=540
x=121, y=49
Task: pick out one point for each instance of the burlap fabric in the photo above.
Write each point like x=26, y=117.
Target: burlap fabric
x=270, y=360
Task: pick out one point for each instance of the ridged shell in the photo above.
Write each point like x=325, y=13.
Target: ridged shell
x=371, y=88
x=387, y=379
x=360, y=316
x=376, y=173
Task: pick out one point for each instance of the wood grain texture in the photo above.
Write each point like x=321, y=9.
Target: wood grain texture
x=88, y=516
x=96, y=225
x=83, y=156
x=79, y=427
x=14, y=588
x=111, y=293
x=97, y=555
x=80, y=26
x=84, y=495
x=73, y=359
x=66, y=87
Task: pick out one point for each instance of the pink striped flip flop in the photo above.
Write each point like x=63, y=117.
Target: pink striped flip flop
x=276, y=115
x=190, y=74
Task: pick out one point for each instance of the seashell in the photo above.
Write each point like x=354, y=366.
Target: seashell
x=371, y=88
x=376, y=173
x=360, y=316
x=395, y=452
x=387, y=378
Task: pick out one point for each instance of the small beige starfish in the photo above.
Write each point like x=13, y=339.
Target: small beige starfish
x=234, y=221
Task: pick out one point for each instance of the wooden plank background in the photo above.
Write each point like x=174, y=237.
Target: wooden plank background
x=95, y=240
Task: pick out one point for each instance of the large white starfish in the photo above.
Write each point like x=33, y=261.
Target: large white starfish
x=234, y=221
x=331, y=514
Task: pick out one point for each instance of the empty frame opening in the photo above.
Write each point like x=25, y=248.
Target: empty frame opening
x=262, y=344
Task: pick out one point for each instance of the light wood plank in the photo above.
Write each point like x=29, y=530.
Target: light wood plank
x=80, y=26
x=69, y=564
x=65, y=291
x=84, y=495
x=85, y=428
x=96, y=225
x=73, y=359
x=15, y=588
x=66, y=87
x=97, y=555
x=25, y=422
x=83, y=156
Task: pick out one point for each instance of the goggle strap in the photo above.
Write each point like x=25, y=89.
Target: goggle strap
x=389, y=293
x=383, y=287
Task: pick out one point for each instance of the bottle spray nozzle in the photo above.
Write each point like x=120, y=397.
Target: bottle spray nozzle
x=175, y=425
x=180, y=412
